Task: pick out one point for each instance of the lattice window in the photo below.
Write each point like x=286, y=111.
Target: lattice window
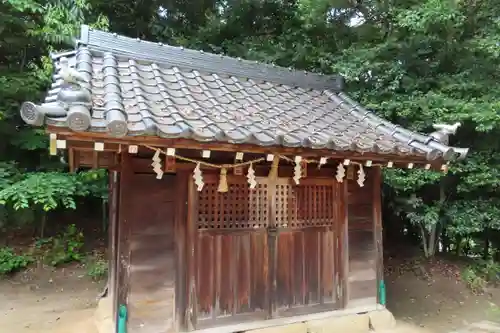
x=305, y=205
x=239, y=208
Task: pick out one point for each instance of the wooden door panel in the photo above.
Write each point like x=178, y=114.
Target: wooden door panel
x=265, y=252
x=231, y=276
x=305, y=272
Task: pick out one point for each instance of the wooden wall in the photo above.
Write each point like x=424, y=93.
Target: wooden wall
x=147, y=217
x=362, y=213
x=243, y=255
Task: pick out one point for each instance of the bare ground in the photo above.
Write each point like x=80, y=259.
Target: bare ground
x=431, y=295
x=46, y=300
x=423, y=297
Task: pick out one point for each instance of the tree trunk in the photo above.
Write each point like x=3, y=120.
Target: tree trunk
x=429, y=241
x=466, y=247
x=43, y=222
x=486, y=250
x=445, y=241
x=433, y=240
x=459, y=245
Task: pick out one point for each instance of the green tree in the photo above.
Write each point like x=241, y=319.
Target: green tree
x=413, y=62
x=29, y=31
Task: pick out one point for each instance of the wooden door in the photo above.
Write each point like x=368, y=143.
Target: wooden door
x=230, y=246
x=262, y=253
x=308, y=271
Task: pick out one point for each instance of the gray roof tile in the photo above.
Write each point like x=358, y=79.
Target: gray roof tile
x=151, y=89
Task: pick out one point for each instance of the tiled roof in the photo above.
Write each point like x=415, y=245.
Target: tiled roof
x=143, y=88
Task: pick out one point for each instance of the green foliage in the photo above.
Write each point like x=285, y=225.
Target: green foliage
x=473, y=216
x=476, y=283
x=481, y=273
x=8, y=174
x=414, y=62
x=63, y=248
x=97, y=267
x=29, y=31
x=11, y=262
x=94, y=183
x=47, y=190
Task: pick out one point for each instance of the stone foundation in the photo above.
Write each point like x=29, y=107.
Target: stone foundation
x=382, y=320
x=103, y=317
x=290, y=328
x=377, y=321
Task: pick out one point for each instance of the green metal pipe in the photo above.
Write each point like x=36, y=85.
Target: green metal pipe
x=122, y=319
x=381, y=292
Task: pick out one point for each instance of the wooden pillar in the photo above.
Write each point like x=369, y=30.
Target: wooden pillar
x=181, y=292
x=191, y=241
x=123, y=241
x=114, y=191
x=377, y=227
x=344, y=244
x=272, y=244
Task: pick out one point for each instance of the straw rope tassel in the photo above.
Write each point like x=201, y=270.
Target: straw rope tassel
x=273, y=173
x=223, y=181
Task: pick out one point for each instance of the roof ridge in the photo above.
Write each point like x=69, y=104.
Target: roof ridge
x=101, y=41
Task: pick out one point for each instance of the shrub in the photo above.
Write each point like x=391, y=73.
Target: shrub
x=63, y=248
x=97, y=267
x=481, y=273
x=11, y=262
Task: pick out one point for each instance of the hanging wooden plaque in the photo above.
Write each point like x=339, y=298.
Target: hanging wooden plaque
x=238, y=171
x=303, y=165
x=170, y=164
x=350, y=171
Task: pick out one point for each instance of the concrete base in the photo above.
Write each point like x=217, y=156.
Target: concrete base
x=377, y=320
x=103, y=317
x=381, y=320
x=291, y=328
x=356, y=323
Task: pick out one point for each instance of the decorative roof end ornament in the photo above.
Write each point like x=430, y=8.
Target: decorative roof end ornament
x=34, y=114
x=71, y=75
x=443, y=132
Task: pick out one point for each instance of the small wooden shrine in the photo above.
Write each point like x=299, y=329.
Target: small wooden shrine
x=242, y=195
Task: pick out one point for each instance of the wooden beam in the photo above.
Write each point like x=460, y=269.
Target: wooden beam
x=93, y=159
x=71, y=160
x=249, y=148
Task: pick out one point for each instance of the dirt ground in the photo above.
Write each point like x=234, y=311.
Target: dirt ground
x=46, y=300
x=423, y=298
x=432, y=296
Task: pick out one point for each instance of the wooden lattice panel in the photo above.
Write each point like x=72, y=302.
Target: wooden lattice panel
x=239, y=208
x=307, y=205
